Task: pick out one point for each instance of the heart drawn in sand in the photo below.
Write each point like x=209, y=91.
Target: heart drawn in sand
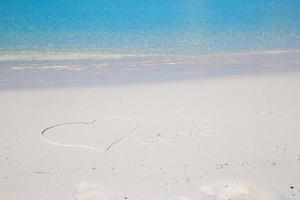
x=99, y=135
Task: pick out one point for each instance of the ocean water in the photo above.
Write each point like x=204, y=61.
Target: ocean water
x=54, y=43
x=201, y=26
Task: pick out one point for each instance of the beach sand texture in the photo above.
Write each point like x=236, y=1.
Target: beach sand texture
x=232, y=137
x=149, y=100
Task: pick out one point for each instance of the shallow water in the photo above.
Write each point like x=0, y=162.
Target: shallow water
x=71, y=43
x=56, y=69
x=180, y=25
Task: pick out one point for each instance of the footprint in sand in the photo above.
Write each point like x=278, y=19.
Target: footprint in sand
x=99, y=135
x=237, y=191
x=87, y=191
x=169, y=132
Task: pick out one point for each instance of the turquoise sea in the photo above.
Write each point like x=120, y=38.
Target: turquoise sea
x=54, y=43
x=201, y=26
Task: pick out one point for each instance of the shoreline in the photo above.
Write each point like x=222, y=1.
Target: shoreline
x=117, y=69
x=100, y=54
x=221, y=78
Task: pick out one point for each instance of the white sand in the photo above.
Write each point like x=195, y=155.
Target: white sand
x=219, y=139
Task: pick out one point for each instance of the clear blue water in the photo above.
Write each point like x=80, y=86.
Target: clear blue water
x=183, y=25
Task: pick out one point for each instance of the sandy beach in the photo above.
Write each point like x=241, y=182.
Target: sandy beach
x=227, y=137
x=149, y=100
